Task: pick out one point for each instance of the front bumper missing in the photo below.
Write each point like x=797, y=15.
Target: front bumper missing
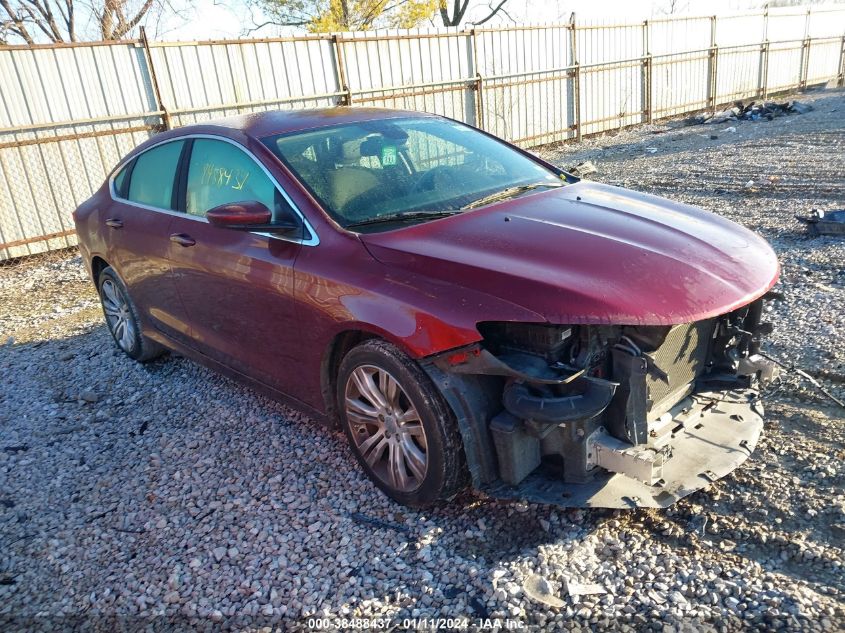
x=712, y=434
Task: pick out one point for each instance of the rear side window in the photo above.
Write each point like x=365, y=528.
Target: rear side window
x=152, y=176
x=120, y=181
x=220, y=173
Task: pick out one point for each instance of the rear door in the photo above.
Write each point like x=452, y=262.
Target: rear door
x=137, y=230
x=237, y=286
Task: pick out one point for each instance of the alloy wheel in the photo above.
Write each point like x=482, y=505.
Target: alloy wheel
x=386, y=428
x=118, y=315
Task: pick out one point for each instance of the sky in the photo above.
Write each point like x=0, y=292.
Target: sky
x=214, y=19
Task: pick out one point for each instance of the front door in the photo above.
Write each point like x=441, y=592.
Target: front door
x=237, y=286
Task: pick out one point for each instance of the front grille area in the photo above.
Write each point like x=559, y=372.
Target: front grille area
x=682, y=356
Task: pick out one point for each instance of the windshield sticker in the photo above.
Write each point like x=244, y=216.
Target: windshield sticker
x=388, y=155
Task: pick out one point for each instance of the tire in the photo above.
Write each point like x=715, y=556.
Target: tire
x=388, y=446
x=122, y=319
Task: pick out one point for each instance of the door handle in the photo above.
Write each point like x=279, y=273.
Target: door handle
x=114, y=223
x=182, y=240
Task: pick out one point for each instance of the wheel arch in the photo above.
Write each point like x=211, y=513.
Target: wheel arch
x=98, y=265
x=338, y=347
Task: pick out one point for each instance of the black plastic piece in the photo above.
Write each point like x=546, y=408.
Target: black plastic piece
x=597, y=394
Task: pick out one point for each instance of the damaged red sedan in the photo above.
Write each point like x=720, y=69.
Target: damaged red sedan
x=467, y=312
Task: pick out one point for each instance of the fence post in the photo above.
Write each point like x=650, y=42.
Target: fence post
x=648, y=69
x=764, y=56
x=340, y=70
x=479, y=86
x=165, y=116
x=842, y=63
x=713, y=59
x=805, y=53
x=573, y=43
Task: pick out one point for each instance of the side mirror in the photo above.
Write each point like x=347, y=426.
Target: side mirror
x=240, y=215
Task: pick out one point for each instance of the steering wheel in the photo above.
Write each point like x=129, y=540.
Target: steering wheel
x=439, y=177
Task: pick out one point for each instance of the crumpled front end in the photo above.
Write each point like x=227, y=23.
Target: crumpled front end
x=608, y=416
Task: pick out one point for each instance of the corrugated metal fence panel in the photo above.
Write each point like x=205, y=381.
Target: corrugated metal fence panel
x=784, y=67
x=395, y=69
x=202, y=81
x=739, y=66
x=738, y=30
x=738, y=73
x=826, y=51
x=679, y=83
x=519, y=50
x=823, y=60
x=529, y=83
x=826, y=22
x=786, y=25
x=59, y=109
x=611, y=76
x=680, y=64
x=680, y=35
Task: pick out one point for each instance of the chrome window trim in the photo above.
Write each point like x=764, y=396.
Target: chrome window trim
x=313, y=240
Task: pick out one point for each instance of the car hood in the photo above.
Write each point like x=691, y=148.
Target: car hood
x=591, y=253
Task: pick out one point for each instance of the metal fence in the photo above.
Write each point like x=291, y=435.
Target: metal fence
x=69, y=112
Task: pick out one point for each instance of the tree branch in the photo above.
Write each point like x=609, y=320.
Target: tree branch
x=16, y=23
x=126, y=27
x=492, y=13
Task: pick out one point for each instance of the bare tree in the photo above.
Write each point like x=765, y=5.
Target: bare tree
x=671, y=7
x=453, y=15
x=31, y=21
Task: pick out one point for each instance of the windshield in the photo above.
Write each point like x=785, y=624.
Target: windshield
x=406, y=169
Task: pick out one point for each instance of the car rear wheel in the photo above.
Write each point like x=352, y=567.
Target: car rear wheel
x=122, y=319
x=399, y=427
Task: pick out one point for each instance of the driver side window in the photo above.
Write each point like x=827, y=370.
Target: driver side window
x=221, y=173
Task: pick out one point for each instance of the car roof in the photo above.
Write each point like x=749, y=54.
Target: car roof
x=262, y=124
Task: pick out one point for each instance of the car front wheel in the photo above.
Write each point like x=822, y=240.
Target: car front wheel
x=399, y=427
x=122, y=319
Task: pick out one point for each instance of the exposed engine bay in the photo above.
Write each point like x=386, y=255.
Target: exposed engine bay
x=610, y=416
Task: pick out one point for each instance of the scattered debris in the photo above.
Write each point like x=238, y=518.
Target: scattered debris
x=15, y=449
x=651, y=150
x=583, y=169
x=380, y=523
x=538, y=589
x=821, y=223
x=576, y=589
x=807, y=376
x=730, y=129
x=753, y=111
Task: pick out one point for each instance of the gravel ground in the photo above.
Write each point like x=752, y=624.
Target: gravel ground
x=165, y=496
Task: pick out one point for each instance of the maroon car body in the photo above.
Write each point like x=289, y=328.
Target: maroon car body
x=280, y=313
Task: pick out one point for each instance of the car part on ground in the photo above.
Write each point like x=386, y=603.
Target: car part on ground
x=821, y=222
